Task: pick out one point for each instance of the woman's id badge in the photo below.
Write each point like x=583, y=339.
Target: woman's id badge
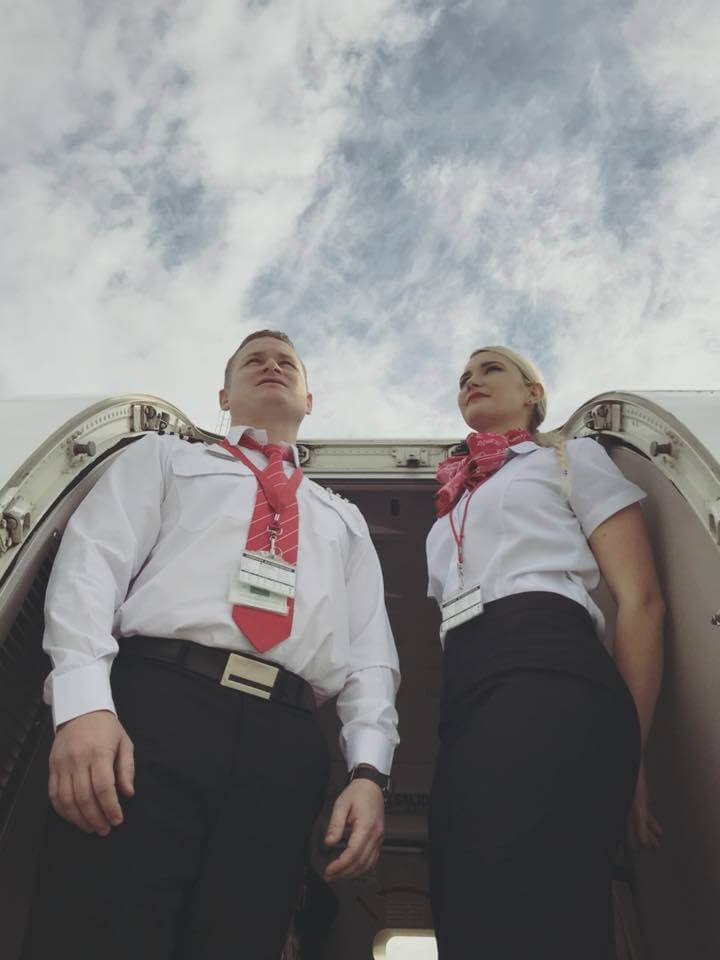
x=460, y=608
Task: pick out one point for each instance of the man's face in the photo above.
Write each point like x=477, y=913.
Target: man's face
x=266, y=380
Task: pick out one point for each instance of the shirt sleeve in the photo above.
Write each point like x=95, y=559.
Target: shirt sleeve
x=366, y=704
x=105, y=543
x=597, y=488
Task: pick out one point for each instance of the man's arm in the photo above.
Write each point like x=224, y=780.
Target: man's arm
x=104, y=546
x=366, y=707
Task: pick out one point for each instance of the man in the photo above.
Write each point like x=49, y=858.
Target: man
x=187, y=771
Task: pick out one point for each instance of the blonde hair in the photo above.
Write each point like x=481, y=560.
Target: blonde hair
x=531, y=375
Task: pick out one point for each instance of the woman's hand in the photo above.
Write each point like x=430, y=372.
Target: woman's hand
x=622, y=549
x=644, y=832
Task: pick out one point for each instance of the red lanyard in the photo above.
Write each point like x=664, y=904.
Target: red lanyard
x=271, y=493
x=459, y=537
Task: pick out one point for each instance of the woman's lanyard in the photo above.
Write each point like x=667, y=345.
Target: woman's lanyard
x=460, y=537
x=462, y=605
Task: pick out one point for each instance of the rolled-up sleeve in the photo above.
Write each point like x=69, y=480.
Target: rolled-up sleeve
x=104, y=546
x=366, y=704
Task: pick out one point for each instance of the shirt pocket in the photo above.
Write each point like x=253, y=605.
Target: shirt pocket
x=203, y=494
x=327, y=518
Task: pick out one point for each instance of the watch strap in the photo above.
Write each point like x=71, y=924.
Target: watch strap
x=369, y=773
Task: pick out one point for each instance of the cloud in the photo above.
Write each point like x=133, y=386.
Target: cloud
x=393, y=183
x=534, y=188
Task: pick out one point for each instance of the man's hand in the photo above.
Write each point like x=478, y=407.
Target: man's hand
x=361, y=807
x=644, y=832
x=91, y=755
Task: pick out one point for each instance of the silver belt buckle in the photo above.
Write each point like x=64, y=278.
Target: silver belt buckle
x=239, y=668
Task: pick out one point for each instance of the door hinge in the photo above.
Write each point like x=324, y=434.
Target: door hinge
x=604, y=416
x=410, y=456
x=143, y=416
x=15, y=518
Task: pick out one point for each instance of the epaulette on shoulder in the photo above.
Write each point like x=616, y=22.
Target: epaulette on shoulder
x=344, y=508
x=336, y=496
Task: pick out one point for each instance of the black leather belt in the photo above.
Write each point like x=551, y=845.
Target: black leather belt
x=238, y=671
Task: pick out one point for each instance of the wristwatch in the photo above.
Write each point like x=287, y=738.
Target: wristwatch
x=364, y=772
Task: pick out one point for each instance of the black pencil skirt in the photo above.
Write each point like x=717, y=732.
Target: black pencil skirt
x=540, y=746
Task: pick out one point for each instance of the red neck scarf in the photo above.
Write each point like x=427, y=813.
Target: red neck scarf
x=486, y=455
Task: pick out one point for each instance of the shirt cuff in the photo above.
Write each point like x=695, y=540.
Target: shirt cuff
x=80, y=691
x=369, y=746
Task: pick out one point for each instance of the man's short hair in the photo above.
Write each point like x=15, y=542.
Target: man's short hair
x=277, y=335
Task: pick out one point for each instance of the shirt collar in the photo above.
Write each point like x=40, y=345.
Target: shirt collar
x=236, y=433
x=525, y=446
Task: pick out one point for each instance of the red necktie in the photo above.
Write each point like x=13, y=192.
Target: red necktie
x=264, y=628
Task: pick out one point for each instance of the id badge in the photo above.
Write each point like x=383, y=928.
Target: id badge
x=268, y=572
x=248, y=595
x=460, y=608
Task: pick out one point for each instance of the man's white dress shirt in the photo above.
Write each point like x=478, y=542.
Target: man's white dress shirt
x=524, y=533
x=152, y=550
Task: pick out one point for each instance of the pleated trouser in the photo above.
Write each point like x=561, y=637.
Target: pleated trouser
x=209, y=860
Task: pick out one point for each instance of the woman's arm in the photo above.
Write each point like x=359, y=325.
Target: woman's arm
x=622, y=549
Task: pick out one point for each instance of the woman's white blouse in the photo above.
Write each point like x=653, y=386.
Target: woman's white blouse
x=525, y=532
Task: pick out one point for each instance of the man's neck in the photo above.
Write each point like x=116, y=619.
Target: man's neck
x=277, y=431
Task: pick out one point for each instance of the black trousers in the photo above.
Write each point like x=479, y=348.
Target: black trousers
x=538, y=761
x=209, y=859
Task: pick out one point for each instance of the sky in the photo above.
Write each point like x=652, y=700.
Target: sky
x=391, y=183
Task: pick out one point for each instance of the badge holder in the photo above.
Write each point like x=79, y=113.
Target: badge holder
x=460, y=608
x=264, y=580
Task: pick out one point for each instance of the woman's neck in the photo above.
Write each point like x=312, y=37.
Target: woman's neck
x=501, y=429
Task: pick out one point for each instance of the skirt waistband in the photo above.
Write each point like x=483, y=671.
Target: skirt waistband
x=534, y=602
x=536, y=630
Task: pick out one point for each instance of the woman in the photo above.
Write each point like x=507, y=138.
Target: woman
x=541, y=732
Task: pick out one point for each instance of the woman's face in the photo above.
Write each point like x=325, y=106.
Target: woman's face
x=493, y=395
